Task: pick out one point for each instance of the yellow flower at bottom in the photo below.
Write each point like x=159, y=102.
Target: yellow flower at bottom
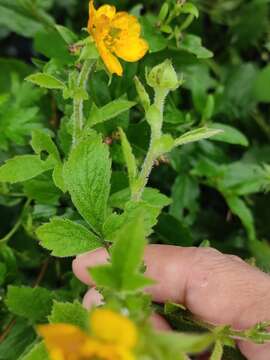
x=113, y=337
x=116, y=34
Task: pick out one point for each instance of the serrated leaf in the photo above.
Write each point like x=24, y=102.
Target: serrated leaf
x=46, y=81
x=41, y=141
x=87, y=177
x=126, y=258
x=19, y=297
x=129, y=156
x=22, y=168
x=66, y=238
x=69, y=313
x=229, y=135
x=109, y=111
x=196, y=135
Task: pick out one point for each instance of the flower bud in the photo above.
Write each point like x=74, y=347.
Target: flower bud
x=163, y=77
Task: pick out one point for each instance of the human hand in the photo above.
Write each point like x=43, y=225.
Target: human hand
x=219, y=289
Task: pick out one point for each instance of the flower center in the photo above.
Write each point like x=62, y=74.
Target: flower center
x=113, y=35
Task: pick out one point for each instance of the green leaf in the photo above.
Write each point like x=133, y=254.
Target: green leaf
x=189, y=8
x=164, y=145
x=32, y=303
x=58, y=177
x=66, y=238
x=20, y=336
x=217, y=352
x=22, y=168
x=42, y=189
x=42, y=141
x=37, y=352
x=179, y=342
x=129, y=157
x=58, y=48
x=87, y=175
x=150, y=195
x=66, y=34
x=172, y=231
x=185, y=194
x=193, y=44
x=157, y=42
x=126, y=258
x=3, y=272
x=14, y=19
x=46, y=81
x=240, y=209
x=262, y=85
x=229, y=134
x=196, y=135
x=69, y=313
x=109, y=111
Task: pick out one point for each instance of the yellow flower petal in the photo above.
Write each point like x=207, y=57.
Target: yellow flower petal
x=107, y=10
x=133, y=51
x=111, y=62
x=92, y=15
x=63, y=341
x=113, y=328
x=128, y=23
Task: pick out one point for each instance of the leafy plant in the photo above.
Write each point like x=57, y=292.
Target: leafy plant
x=176, y=151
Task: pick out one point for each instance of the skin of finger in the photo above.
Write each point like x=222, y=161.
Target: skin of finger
x=163, y=263
x=217, y=288
x=93, y=298
x=255, y=352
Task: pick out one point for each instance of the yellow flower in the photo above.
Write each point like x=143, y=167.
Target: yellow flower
x=113, y=337
x=116, y=34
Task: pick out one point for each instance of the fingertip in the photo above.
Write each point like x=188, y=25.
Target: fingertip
x=82, y=263
x=92, y=298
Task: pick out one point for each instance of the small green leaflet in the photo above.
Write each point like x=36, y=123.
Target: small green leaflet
x=196, y=135
x=229, y=134
x=109, y=111
x=42, y=141
x=66, y=238
x=87, y=176
x=126, y=258
x=129, y=157
x=46, y=81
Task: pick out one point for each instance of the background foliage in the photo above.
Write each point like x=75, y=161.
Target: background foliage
x=218, y=188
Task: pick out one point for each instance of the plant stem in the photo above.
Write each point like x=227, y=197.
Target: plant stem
x=156, y=133
x=78, y=117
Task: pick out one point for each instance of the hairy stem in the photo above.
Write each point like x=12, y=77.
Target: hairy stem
x=156, y=133
x=78, y=117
